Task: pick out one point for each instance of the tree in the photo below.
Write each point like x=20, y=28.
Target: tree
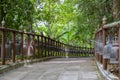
x=16, y=15
x=71, y=21
x=116, y=9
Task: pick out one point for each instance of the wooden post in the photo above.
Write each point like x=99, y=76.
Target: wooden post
x=42, y=45
x=105, y=61
x=38, y=48
x=58, y=48
x=14, y=47
x=51, y=47
x=33, y=45
x=45, y=47
x=28, y=50
x=48, y=45
x=63, y=49
x=3, y=52
x=53, y=44
x=22, y=53
x=119, y=46
x=99, y=57
x=77, y=51
x=105, y=64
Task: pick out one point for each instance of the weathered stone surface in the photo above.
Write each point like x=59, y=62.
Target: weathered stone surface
x=56, y=69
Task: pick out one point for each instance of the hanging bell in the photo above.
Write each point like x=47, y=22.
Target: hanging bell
x=115, y=50
x=107, y=49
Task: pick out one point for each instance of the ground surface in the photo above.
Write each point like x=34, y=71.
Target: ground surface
x=56, y=69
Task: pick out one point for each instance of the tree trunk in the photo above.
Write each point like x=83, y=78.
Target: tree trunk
x=116, y=9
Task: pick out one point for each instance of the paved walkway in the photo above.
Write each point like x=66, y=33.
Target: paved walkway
x=56, y=69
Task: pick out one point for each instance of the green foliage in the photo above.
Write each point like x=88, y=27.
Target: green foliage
x=18, y=13
x=73, y=21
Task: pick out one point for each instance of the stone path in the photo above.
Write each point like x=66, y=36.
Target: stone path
x=56, y=69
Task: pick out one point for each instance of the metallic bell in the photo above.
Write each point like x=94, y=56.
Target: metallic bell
x=107, y=49
x=3, y=22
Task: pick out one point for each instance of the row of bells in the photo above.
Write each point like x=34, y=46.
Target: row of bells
x=110, y=50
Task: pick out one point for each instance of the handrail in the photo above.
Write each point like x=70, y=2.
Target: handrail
x=107, y=26
x=37, y=44
x=107, y=43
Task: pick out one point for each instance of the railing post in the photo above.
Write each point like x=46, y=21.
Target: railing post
x=119, y=46
x=73, y=51
x=101, y=56
x=58, y=48
x=104, y=60
x=42, y=45
x=45, y=46
x=99, y=52
x=65, y=50
x=82, y=51
x=48, y=45
x=28, y=50
x=33, y=45
x=61, y=49
x=51, y=47
x=3, y=47
x=38, y=48
x=77, y=51
x=54, y=46
x=97, y=55
x=14, y=47
x=22, y=53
